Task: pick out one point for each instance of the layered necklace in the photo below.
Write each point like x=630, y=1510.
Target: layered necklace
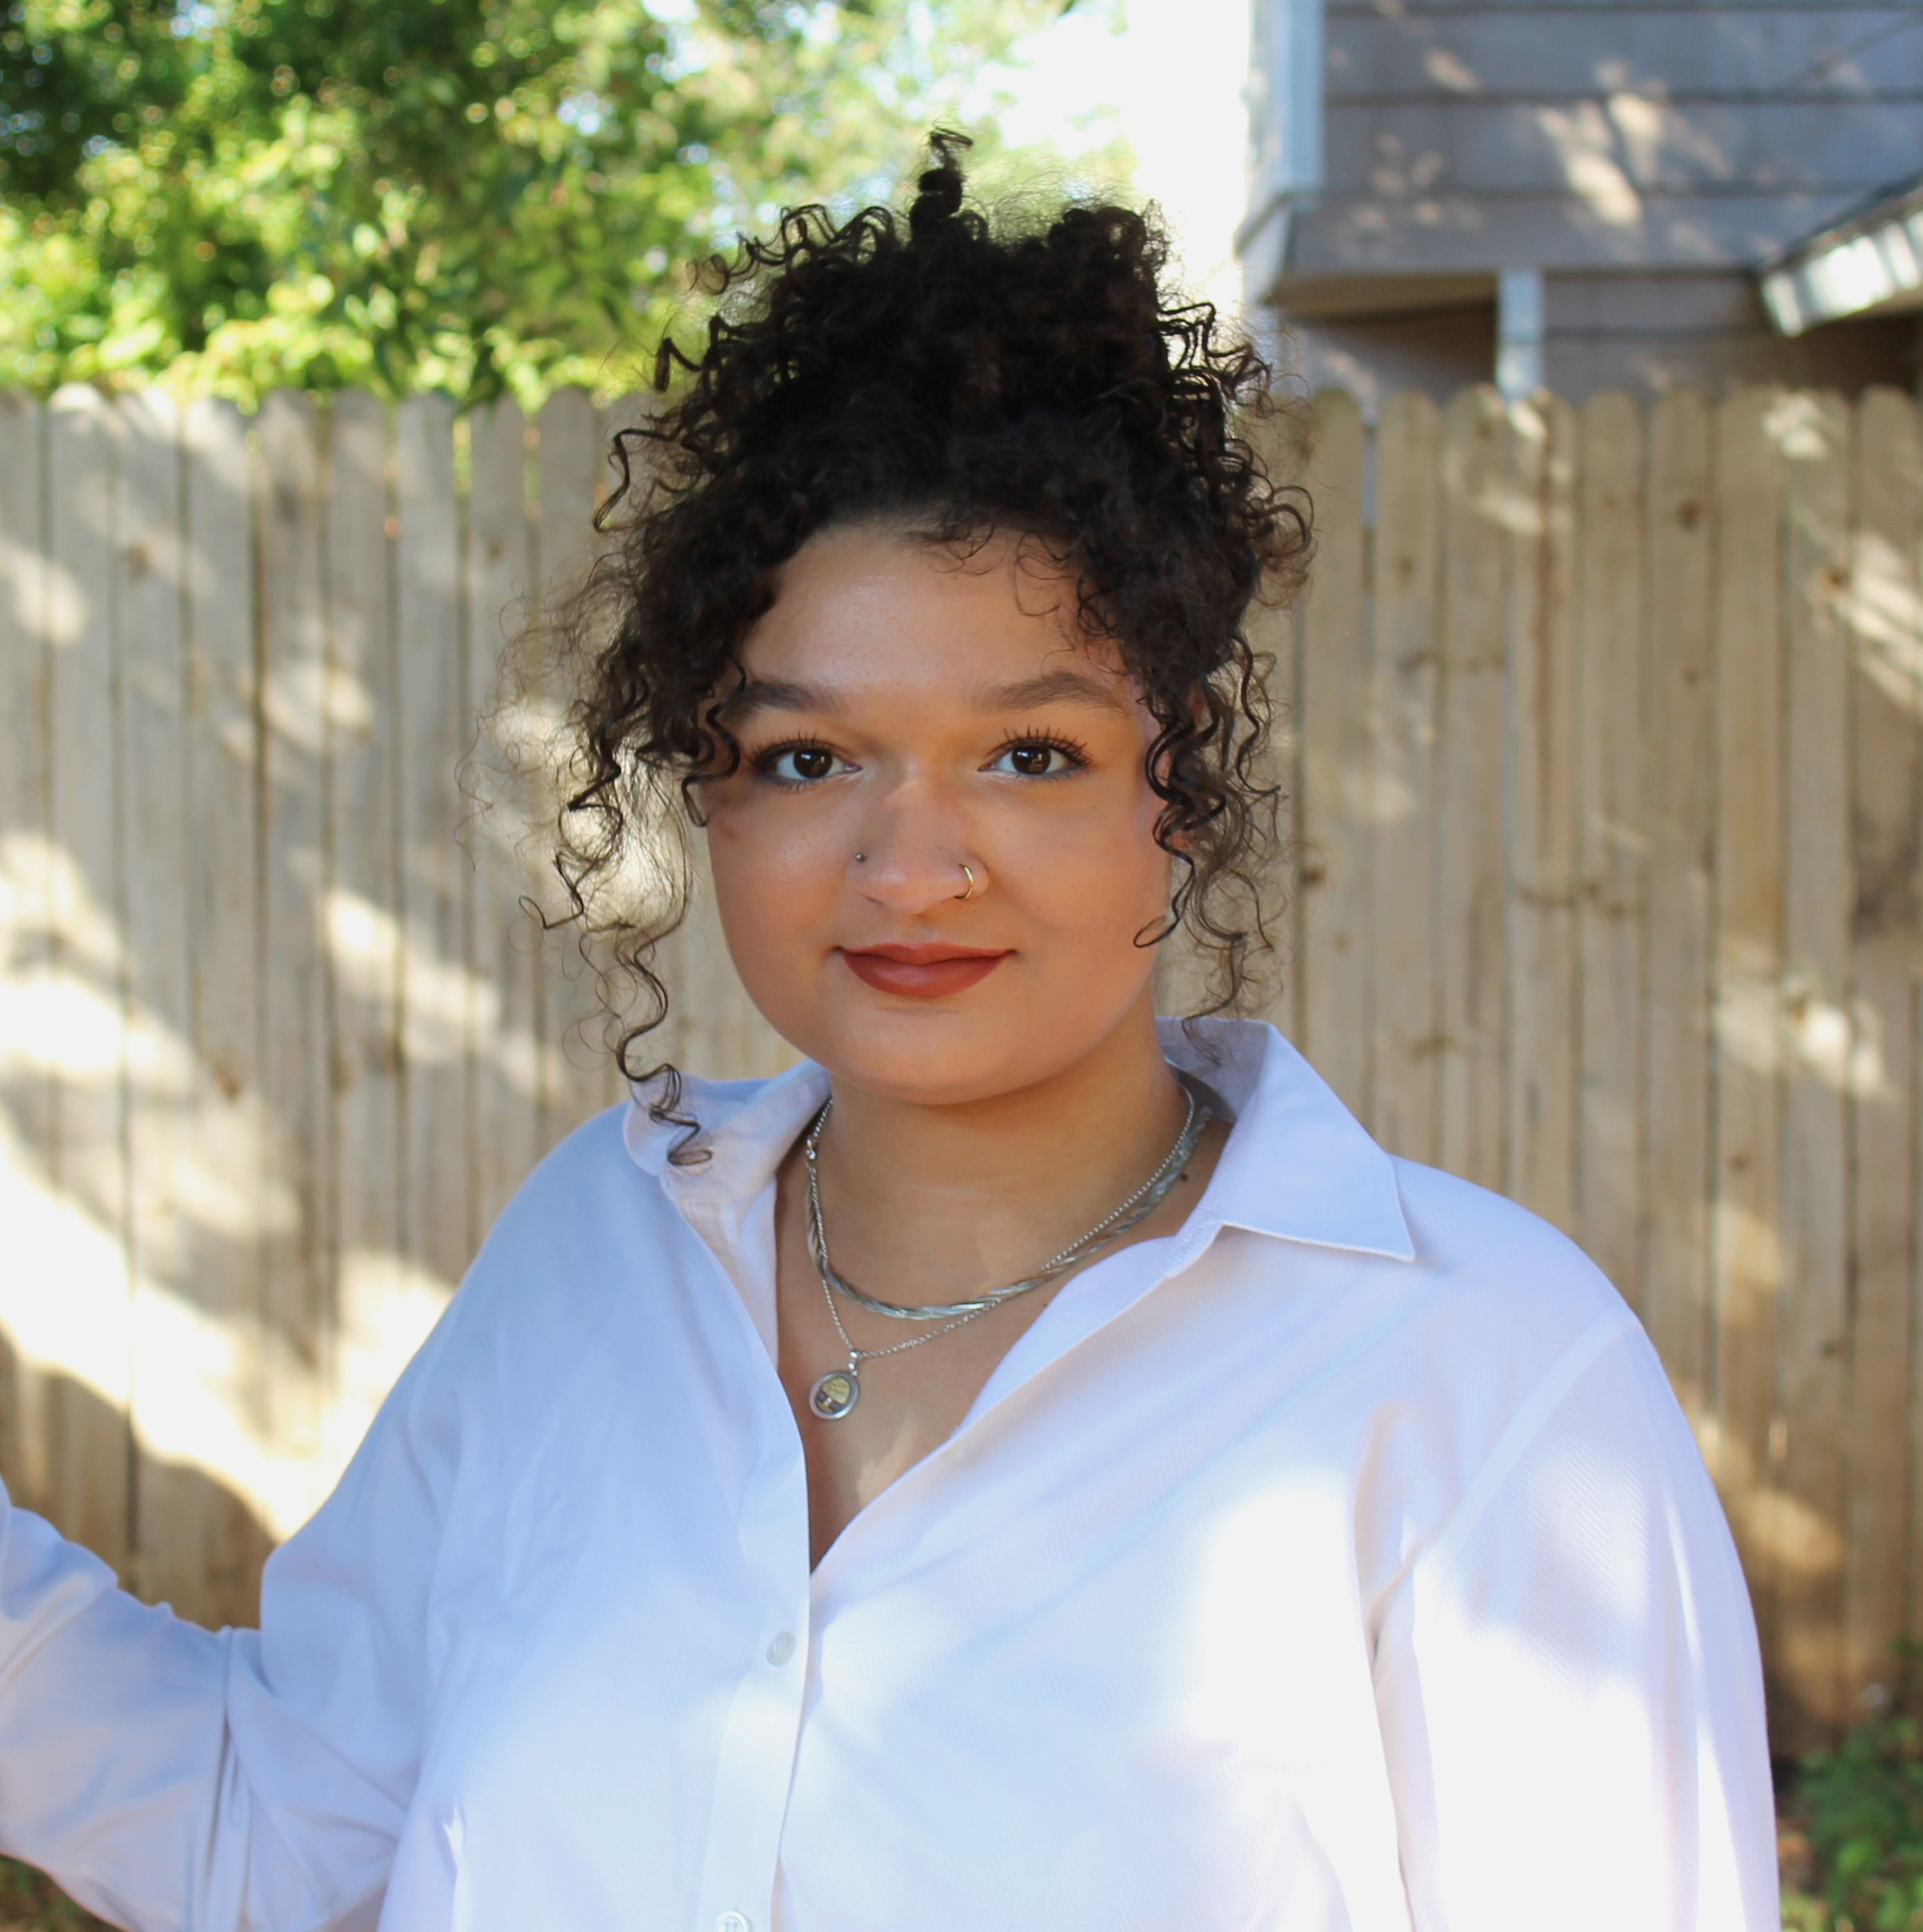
x=835, y=1394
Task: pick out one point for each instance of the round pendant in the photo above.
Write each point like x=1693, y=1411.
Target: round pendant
x=835, y=1394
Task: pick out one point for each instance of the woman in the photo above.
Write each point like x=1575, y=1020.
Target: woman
x=1028, y=1465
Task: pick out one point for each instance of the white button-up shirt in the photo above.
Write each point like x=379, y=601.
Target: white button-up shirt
x=1340, y=1563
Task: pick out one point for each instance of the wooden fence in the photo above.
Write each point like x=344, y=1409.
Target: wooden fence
x=1603, y=754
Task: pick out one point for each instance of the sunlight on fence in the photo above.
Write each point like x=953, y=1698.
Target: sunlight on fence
x=1599, y=734
x=275, y=1043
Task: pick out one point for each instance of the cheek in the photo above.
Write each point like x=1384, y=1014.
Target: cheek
x=771, y=875
x=1097, y=871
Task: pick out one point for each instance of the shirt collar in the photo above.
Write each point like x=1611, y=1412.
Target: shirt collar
x=1298, y=1165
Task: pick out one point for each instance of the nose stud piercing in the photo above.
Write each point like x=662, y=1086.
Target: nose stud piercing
x=861, y=858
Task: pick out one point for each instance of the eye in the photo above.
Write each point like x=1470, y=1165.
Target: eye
x=802, y=764
x=1038, y=758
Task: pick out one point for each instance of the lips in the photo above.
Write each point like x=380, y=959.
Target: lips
x=931, y=972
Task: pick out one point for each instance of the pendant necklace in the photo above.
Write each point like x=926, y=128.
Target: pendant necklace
x=835, y=1394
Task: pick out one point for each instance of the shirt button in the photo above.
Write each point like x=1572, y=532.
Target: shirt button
x=779, y=1651
x=733, y=1921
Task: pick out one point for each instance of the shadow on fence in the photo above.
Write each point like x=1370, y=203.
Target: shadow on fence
x=1600, y=741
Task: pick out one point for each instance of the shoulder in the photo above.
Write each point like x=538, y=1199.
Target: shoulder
x=562, y=1261
x=588, y=1191
x=1511, y=1384
x=1453, y=1303
x=1487, y=1333
x=1484, y=1261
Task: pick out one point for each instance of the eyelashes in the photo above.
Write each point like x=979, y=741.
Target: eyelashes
x=1073, y=749
x=813, y=761
x=804, y=751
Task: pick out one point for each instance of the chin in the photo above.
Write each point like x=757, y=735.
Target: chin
x=945, y=1055
x=930, y=1066
x=961, y=1085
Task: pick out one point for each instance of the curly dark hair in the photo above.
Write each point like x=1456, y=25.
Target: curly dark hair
x=959, y=383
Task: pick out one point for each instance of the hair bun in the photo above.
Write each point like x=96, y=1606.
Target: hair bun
x=938, y=192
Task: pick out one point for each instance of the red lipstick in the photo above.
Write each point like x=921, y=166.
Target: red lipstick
x=923, y=972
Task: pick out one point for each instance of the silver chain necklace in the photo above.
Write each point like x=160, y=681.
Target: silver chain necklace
x=835, y=1394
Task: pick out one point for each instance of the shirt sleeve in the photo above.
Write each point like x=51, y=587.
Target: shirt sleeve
x=1569, y=1684
x=173, y=1779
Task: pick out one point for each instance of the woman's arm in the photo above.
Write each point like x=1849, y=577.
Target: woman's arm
x=171, y=1778
x=1569, y=1686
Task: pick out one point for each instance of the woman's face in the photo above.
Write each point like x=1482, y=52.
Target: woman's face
x=910, y=710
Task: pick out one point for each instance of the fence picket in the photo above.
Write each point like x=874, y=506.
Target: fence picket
x=226, y=1536
x=1332, y=816
x=1275, y=636
x=297, y=1297
x=1746, y=1249
x=1678, y=794
x=1469, y=863
x=1671, y=660
x=165, y=1517
x=1406, y=1019
x=365, y=908
x=86, y=1405
x=573, y=1022
x=1610, y=847
x=506, y=957
x=436, y=988
x=26, y=1081
x=1885, y=694
x=1540, y=928
x=1812, y=1333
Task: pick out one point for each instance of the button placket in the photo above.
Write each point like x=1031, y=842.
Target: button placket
x=755, y=1751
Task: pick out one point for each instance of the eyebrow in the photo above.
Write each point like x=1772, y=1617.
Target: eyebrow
x=1028, y=694
x=773, y=694
x=1054, y=687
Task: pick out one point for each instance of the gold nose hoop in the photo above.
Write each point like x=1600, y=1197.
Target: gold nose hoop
x=970, y=877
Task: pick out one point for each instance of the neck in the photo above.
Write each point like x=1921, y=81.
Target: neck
x=924, y=1203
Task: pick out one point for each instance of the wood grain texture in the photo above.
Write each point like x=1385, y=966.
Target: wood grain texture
x=1811, y=1335
x=1284, y=445
x=221, y=883
x=1747, y=1250
x=298, y=1305
x=26, y=913
x=437, y=990
x=367, y=935
x=1671, y=660
x=1611, y=849
x=623, y=463
x=575, y=1021
x=167, y=1528
x=1335, y=783
x=1470, y=951
x=1406, y=1020
x=1678, y=767
x=1884, y=642
x=1539, y=631
x=499, y=561
x=88, y=1447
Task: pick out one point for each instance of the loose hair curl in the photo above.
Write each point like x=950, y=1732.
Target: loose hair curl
x=957, y=382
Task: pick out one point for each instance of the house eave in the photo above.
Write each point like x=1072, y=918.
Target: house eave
x=1870, y=264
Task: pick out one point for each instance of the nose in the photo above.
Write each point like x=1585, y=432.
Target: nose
x=914, y=841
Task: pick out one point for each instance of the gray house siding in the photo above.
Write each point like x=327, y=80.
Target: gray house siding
x=1643, y=161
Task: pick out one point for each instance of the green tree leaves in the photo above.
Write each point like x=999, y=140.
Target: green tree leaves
x=471, y=195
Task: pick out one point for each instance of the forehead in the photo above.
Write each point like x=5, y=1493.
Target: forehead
x=868, y=606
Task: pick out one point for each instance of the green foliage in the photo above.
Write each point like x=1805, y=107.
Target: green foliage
x=471, y=195
x=29, y=1903
x=1861, y=1806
